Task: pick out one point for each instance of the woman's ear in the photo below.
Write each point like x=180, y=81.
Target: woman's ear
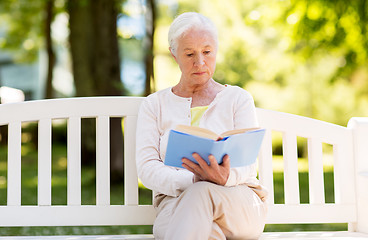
x=172, y=54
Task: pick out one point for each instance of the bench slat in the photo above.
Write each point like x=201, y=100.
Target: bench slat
x=265, y=165
x=84, y=215
x=308, y=235
x=315, y=162
x=344, y=170
x=74, y=161
x=308, y=213
x=291, y=178
x=103, y=161
x=130, y=169
x=44, y=162
x=301, y=126
x=87, y=107
x=14, y=164
x=85, y=237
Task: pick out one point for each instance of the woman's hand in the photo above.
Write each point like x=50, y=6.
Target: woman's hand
x=212, y=173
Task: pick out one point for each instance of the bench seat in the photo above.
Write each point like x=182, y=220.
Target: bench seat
x=85, y=237
x=265, y=236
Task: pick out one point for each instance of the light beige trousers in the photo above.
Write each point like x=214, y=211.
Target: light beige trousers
x=209, y=211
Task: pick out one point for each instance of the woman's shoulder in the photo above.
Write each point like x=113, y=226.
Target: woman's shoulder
x=158, y=95
x=237, y=91
x=161, y=92
x=156, y=99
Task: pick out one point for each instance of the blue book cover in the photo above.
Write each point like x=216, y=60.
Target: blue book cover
x=242, y=148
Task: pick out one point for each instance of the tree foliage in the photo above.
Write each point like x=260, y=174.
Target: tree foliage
x=337, y=27
x=23, y=23
x=94, y=51
x=307, y=57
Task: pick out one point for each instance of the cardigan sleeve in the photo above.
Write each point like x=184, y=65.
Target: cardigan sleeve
x=151, y=169
x=244, y=117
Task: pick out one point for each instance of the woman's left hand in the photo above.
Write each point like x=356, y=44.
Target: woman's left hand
x=212, y=173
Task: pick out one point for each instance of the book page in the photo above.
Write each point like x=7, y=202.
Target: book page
x=197, y=131
x=237, y=131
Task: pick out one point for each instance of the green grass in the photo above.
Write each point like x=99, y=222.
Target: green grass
x=29, y=196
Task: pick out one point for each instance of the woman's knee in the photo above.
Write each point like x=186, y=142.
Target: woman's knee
x=197, y=196
x=201, y=187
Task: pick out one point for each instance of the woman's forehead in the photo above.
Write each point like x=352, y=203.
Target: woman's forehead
x=196, y=38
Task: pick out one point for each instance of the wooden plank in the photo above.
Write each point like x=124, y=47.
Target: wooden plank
x=307, y=213
x=74, y=161
x=130, y=169
x=344, y=171
x=84, y=237
x=103, y=161
x=145, y=215
x=77, y=215
x=359, y=129
x=315, y=162
x=291, y=177
x=44, y=162
x=300, y=126
x=87, y=107
x=265, y=166
x=308, y=235
x=14, y=164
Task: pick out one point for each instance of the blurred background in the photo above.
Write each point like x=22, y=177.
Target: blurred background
x=303, y=57
x=306, y=57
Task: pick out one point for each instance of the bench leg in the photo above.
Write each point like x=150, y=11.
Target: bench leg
x=359, y=127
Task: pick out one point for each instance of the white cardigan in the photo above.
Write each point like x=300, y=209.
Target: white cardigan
x=160, y=112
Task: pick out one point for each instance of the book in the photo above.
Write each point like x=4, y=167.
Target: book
x=242, y=145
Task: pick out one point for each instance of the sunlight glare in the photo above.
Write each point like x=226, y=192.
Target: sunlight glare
x=255, y=15
x=292, y=19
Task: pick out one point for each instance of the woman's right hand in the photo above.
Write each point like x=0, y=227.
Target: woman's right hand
x=214, y=172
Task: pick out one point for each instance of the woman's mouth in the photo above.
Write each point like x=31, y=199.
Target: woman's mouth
x=199, y=73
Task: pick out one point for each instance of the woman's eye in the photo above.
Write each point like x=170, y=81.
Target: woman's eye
x=207, y=52
x=190, y=54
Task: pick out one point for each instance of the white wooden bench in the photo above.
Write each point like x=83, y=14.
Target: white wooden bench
x=350, y=154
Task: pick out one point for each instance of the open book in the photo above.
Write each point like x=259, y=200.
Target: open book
x=242, y=145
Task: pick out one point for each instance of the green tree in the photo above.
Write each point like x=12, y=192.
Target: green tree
x=337, y=29
x=49, y=17
x=28, y=29
x=96, y=67
x=303, y=57
x=150, y=17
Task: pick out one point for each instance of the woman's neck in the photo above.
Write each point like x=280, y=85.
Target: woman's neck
x=201, y=95
x=191, y=90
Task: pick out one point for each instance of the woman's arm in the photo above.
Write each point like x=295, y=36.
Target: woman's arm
x=151, y=169
x=244, y=117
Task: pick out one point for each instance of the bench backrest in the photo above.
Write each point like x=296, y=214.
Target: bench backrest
x=131, y=213
x=315, y=132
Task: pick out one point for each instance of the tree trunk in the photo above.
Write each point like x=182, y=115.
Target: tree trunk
x=96, y=67
x=49, y=12
x=148, y=43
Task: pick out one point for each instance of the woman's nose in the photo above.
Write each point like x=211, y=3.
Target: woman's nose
x=199, y=60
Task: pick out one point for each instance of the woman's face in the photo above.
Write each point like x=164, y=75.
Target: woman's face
x=196, y=56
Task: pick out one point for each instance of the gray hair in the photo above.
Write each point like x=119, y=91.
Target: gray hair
x=185, y=22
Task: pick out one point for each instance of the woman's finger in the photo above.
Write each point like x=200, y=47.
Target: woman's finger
x=202, y=163
x=191, y=166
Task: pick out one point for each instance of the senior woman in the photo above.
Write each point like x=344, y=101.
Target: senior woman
x=199, y=201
